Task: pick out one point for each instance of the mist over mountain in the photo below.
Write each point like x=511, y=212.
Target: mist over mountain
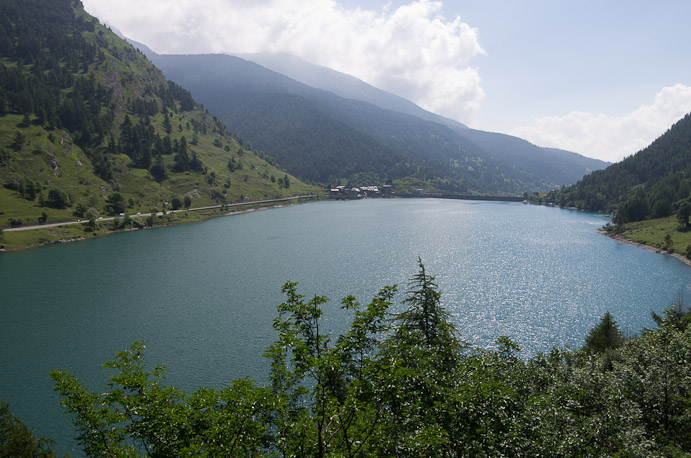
x=342, y=85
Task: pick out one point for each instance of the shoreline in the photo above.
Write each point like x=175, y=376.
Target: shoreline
x=235, y=209
x=622, y=239
x=278, y=203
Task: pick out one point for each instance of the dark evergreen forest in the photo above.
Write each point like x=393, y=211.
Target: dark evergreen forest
x=653, y=183
x=48, y=73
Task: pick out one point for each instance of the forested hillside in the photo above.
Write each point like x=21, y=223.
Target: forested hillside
x=89, y=126
x=550, y=165
x=323, y=137
x=554, y=165
x=341, y=84
x=292, y=123
x=653, y=183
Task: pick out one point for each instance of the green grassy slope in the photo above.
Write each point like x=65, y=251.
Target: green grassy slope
x=83, y=116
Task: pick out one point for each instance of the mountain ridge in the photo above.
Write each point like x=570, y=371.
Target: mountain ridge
x=342, y=84
x=350, y=87
x=452, y=161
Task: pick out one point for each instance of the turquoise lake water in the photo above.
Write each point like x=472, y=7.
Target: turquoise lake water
x=203, y=296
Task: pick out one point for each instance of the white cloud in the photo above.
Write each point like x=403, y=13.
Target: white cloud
x=412, y=51
x=610, y=138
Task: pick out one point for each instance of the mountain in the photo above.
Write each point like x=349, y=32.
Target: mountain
x=556, y=165
x=319, y=136
x=87, y=122
x=341, y=84
x=653, y=183
x=324, y=137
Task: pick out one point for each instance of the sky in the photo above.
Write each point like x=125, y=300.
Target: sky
x=603, y=78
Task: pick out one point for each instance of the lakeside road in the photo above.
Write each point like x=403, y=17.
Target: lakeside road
x=142, y=215
x=250, y=202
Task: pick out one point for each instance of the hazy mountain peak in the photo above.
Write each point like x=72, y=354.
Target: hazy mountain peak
x=341, y=84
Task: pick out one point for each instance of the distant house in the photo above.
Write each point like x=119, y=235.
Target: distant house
x=354, y=192
x=370, y=191
x=341, y=192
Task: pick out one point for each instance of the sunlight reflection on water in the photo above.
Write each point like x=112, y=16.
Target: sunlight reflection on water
x=204, y=296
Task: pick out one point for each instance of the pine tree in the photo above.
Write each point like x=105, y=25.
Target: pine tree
x=604, y=336
x=167, y=126
x=425, y=315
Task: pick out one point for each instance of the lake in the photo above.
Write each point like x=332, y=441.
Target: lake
x=203, y=296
